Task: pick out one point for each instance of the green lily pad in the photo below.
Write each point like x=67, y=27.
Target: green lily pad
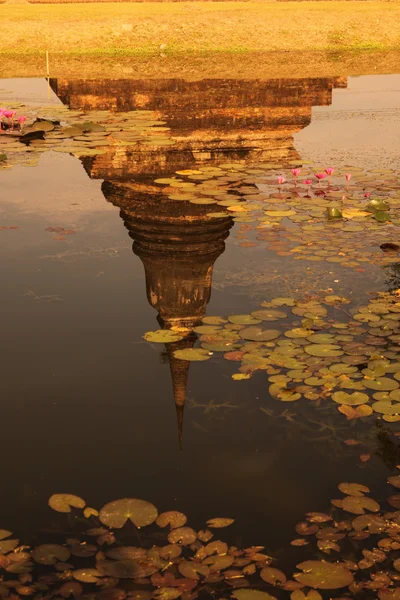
x=250, y=594
x=353, y=399
x=377, y=204
x=386, y=408
x=323, y=350
x=334, y=213
x=192, y=354
x=323, y=575
x=163, y=336
x=50, y=554
x=243, y=320
x=268, y=314
x=139, y=512
x=382, y=216
x=382, y=384
x=257, y=334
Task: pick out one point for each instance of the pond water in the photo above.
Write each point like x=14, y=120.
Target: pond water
x=103, y=240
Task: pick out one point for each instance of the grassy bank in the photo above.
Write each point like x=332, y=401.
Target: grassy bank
x=126, y=29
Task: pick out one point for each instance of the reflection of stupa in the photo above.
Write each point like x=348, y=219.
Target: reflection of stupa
x=178, y=245
x=210, y=120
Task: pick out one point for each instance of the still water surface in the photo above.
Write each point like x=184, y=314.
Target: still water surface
x=88, y=406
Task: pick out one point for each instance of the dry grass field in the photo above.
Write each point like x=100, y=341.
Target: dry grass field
x=197, y=28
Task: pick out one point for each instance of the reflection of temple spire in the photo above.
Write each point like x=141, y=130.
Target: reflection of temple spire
x=179, y=375
x=178, y=245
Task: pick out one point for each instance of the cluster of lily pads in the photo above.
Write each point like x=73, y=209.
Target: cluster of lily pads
x=59, y=129
x=328, y=222
x=109, y=556
x=317, y=348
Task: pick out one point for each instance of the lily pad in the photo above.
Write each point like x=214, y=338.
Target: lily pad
x=244, y=320
x=353, y=399
x=117, y=513
x=163, y=336
x=63, y=502
x=50, y=554
x=219, y=522
x=268, y=314
x=323, y=350
x=173, y=518
x=323, y=575
x=193, y=354
x=250, y=594
x=257, y=334
x=383, y=384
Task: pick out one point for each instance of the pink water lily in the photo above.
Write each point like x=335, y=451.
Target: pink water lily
x=329, y=171
x=281, y=180
x=22, y=119
x=9, y=114
x=320, y=176
x=307, y=181
x=348, y=176
x=296, y=172
x=367, y=194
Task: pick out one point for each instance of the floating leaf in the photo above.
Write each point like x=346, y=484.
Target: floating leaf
x=323, y=575
x=355, y=413
x=63, y=502
x=272, y=576
x=87, y=575
x=359, y=504
x=7, y=546
x=4, y=533
x=250, y=594
x=173, y=518
x=244, y=320
x=257, y=334
x=220, y=522
x=117, y=513
x=323, y=350
x=269, y=314
x=353, y=399
x=50, y=554
x=334, y=213
x=182, y=535
x=193, y=354
x=163, y=336
x=353, y=489
x=167, y=593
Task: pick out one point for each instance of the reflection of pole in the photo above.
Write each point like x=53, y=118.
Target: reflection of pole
x=48, y=74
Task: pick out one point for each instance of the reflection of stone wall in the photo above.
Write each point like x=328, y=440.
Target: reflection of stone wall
x=210, y=121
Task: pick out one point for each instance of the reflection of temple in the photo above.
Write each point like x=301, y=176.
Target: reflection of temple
x=178, y=245
x=210, y=120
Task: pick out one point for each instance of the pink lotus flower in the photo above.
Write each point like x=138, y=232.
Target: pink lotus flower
x=281, y=180
x=9, y=113
x=348, y=176
x=22, y=119
x=307, y=181
x=329, y=171
x=296, y=172
x=367, y=194
x=320, y=176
